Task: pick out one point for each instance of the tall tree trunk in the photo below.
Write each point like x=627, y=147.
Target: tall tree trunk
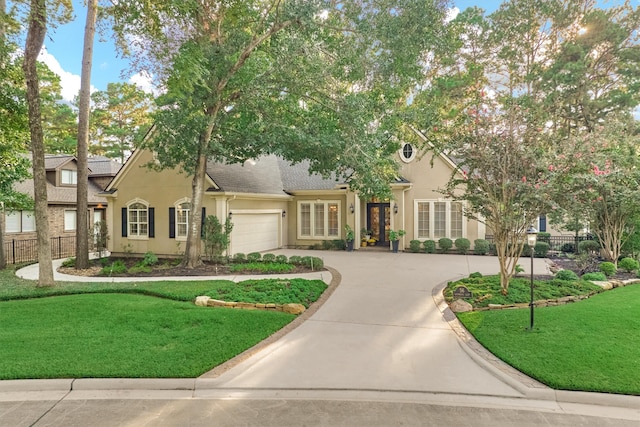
x=82, y=213
x=35, y=38
x=192, y=253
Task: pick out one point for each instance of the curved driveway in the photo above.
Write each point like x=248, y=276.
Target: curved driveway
x=381, y=350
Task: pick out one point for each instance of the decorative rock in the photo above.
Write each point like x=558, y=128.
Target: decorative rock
x=246, y=305
x=202, y=300
x=293, y=308
x=216, y=303
x=460, y=306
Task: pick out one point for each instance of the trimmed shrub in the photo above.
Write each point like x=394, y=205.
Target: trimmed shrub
x=414, y=246
x=541, y=249
x=476, y=275
x=597, y=277
x=312, y=262
x=69, y=262
x=480, y=247
x=295, y=260
x=339, y=244
x=462, y=245
x=566, y=275
x=445, y=244
x=568, y=248
x=254, y=257
x=588, y=246
x=544, y=237
x=240, y=257
x=268, y=258
x=429, y=246
x=628, y=264
x=608, y=268
x=149, y=259
x=282, y=259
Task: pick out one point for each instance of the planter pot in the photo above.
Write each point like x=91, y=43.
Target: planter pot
x=394, y=246
x=350, y=246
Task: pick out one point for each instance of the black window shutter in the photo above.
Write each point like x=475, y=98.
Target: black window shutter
x=124, y=222
x=172, y=223
x=202, y=221
x=152, y=223
x=543, y=223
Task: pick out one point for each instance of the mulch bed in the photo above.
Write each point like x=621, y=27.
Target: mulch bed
x=166, y=268
x=569, y=264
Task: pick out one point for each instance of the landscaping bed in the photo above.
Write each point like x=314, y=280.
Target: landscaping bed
x=150, y=266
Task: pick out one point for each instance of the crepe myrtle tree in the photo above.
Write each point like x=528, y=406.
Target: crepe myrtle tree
x=304, y=79
x=501, y=175
x=600, y=172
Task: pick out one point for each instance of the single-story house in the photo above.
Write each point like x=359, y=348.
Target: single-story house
x=62, y=173
x=274, y=204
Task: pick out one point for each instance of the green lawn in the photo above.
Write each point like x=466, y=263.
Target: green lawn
x=590, y=345
x=135, y=330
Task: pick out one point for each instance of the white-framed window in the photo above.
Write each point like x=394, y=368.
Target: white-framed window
x=138, y=219
x=435, y=219
x=407, y=152
x=182, y=219
x=20, y=222
x=70, y=218
x=319, y=219
x=69, y=177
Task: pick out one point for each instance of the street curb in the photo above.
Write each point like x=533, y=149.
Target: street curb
x=529, y=387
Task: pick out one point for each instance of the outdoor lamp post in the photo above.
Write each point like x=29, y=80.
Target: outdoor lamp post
x=532, y=235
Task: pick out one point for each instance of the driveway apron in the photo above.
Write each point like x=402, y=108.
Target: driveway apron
x=379, y=330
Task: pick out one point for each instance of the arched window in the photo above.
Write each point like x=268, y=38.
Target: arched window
x=182, y=219
x=407, y=152
x=138, y=218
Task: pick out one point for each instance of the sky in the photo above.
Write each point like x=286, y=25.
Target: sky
x=62, y=51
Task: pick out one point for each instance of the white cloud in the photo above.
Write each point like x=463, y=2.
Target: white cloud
x=144, y=81
x=69, y=82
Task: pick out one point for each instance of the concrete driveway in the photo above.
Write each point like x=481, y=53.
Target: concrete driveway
x=382, y=350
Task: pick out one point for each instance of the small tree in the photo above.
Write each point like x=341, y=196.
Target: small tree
x=216, y=237
x=101, y=235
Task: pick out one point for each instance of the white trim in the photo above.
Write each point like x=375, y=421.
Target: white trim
x=432, y=203
x=137, y=236
x=313, y=235
x=404, y=158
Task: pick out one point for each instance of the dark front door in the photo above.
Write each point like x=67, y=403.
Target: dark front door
x=378, y=221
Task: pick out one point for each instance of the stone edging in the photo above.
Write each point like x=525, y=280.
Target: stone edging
x=205, y=301
x=564, y=300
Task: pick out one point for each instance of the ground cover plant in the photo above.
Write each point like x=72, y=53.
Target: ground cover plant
x=134, y=329
x=581, y=346
x=487, y=290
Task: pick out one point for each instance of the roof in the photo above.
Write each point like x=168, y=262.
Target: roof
x=266, y=175
x=62, y=195
x=103, y=166
x=55, y=161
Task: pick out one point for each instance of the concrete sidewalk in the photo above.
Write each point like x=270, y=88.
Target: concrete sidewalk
x=382, y=350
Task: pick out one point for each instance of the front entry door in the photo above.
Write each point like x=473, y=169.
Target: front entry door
x=379, y=221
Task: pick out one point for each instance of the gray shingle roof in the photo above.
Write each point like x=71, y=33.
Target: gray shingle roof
x=266, y=175
x=62, y=195
x=103, y=166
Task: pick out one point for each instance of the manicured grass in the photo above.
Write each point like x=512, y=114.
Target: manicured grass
x=137, y=330
x=486, y=290
x=590, y=345
x=132, y=336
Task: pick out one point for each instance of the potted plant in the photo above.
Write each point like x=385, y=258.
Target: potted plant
x=394, y=237
x=349, y=237
x=366, y=234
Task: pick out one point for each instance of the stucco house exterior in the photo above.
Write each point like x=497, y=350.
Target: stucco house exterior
x=61, y=172
x=274, y=204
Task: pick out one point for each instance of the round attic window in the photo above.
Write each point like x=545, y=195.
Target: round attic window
x=407, y=152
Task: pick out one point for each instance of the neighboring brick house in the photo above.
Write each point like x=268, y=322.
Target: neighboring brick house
x=61, y=173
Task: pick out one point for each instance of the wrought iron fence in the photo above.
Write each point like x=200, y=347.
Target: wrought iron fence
x=18, y=251
x=558, y=243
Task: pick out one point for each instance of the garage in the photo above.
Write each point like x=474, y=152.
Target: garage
x=255, y=231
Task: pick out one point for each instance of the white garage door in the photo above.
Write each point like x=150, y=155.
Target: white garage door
x=255, y=232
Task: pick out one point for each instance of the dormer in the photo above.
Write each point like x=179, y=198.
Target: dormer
x=62, y=170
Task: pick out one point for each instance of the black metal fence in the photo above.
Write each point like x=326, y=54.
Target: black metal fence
x=18, y=251
x=558, y=243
